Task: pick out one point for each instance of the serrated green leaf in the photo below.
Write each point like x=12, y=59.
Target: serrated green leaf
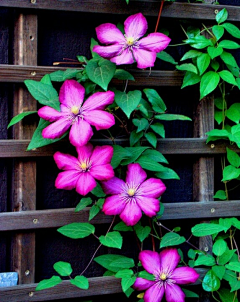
x=205, y=229
x=48, y=283
x=171, y=239
x=151, y=138
x=209, y=82
x=80, y=281
x=142, y=232
x=159, y=129
x=19, y=117
x=232, y=29
x=222, y=16
x=63, y=268
x=77, y=230
x=163, y=55
x=128, y=102
x=228, y=59
x=84, y=202
x=112, y=239
x=211, y=282
x=156, y=101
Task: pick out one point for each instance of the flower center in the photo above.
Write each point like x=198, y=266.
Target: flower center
x=163, y=276
x=130, y=41
x=131, y=192
x=75, y=110
x=83, y=166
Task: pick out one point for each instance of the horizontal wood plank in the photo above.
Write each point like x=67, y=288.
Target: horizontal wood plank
x=148, y=8
x=180, y=146
x=41, y=219
x=17, y=74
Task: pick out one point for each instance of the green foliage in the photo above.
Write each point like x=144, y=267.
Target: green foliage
x=63, y=268
x=48, y=283
x=112, y=239
x=80, y=281
x=114, y=262
x=77, y=230
x=16, y=119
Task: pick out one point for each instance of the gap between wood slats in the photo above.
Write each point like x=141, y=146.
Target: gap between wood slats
x=148, y=8
x=17, y=74
x=40, y=219
x=194, y=146
x=97, y=286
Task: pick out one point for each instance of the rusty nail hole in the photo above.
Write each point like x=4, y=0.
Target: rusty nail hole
x=206, y=249
x=212, y=146
x=35, y=220
x=216, y=11
x=33, y=1
x=31, y=294
x=27, y=272
x=212, y=210
x=33, y=73
x=31, y=38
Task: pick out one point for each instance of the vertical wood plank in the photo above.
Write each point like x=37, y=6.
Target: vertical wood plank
x=24, y=174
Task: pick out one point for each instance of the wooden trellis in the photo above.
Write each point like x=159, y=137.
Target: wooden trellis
x=24, y=219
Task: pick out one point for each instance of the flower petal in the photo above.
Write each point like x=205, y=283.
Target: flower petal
x=150, y=261
x=84, y=152
x=113, y=205
x=56, y=129
x=144, y=57
x=173, y=293
x=169, y=259
x=65, y=161
x=135, y=174
x=99, y=100
x=85, y=183
x=108, y=33
x=109, y=51
x=184, y=275
x=131, y=214
x=150, y=206
x=102, y=172
x=154, y=294
x=135, y=26
x=142, y=284
x=100, y=119
x=49, y=114
x=67, y=180
x=102, y=155
x=80, y=133
x=152, y=187
x=126, y=57
x=155, y=42
x=113, y=186
x=71, y=93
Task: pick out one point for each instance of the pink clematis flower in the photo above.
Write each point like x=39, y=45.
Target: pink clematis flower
x=167, y=275
x=132, y=197
x=76, y=114
x=124, y=49
x=81, y=172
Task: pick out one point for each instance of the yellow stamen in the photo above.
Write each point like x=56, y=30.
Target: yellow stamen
x=163, y=276
x=131, y=192
x=75, y=109
x=83, y=166
x=130, y=41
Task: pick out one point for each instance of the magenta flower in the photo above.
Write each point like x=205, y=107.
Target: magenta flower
x=81, y=172
x=167, y=275
x=132, y=197
x=125, y=49
x=76, y=114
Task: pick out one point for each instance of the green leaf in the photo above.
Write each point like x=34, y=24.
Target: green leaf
x=151, y=138
x=100, y=71
x=203, y=62
x=199, y=42
x=148, y=164
x=218, y=116
x=218, y=31
x=112, y=239
x=233, y=113
x=37, y=140
x=80, y=281
x=93, y=211
x=142, y=232
x=230, y=172
x=159, y=129
x=124, y=273
x=218, y=133
x=122, y=74
x=190, y=79
x=135, y=153
x=211, y=282
x=189, y=294
x=48, y=283
x=228, y=44
x=171, y=239
x=233, y=158
x=167, y=173
x=219, y=271
x=214, y=52
x=220, y=194
x=219, y=247
x=207, y=260
x=222, y=16
x=155, y=156
x=172, y=117
x=233, y=266
x=127, y=282
x=232, y=29
x=228, y=59
x=63, y=268
x=191, y=54
x=84, y=202
x=146, y=275
x=122, y=227
x=135, y=137
x=119, y=154
x=98, y=191
x=156, y=101
x=215, y=65
x=227, y=296
x=128, y=101
x=227, y=77
x=114, y=262
x=19, y=117
x=43, y=93
x=141, y=124
x=188, y=67
x=205, y=229
x=209, y=82
x=225, y=257
x=77, y=230
x=164, y=56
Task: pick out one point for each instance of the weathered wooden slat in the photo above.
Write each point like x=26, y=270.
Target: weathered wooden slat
x=17, y=74
x=178, y=146
x=148, y=8
x=41, y=219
